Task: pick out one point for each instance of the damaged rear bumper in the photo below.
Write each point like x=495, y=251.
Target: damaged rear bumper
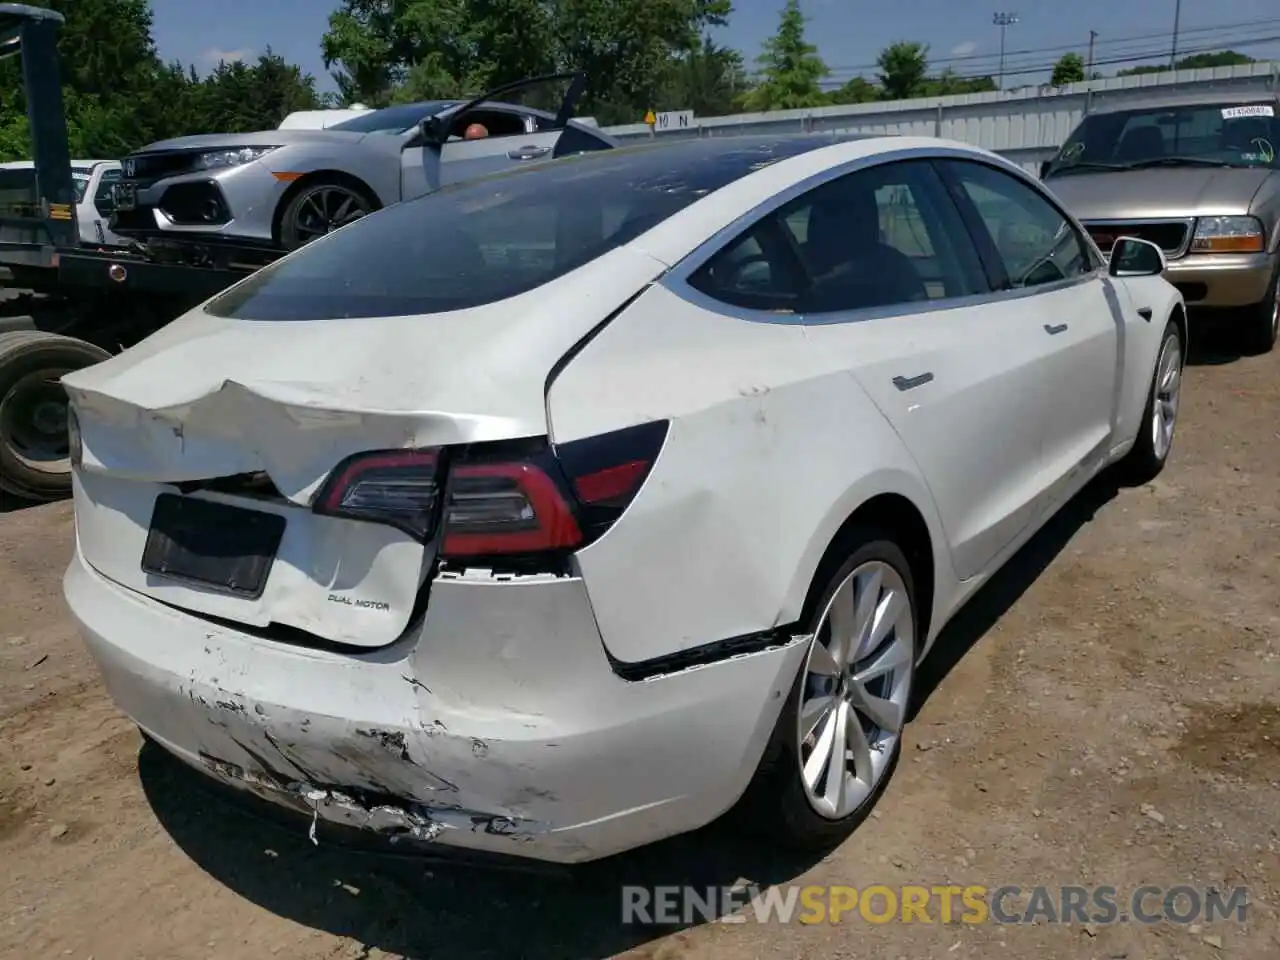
x=496, y=725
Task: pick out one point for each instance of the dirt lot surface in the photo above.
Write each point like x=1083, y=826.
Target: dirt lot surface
x=1107, y=712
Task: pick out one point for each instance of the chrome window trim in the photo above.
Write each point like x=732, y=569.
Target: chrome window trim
x=676, y=280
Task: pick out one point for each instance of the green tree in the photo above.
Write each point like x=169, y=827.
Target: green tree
x=1197, y=61
x=118, y=95
x=239, y=97
x=709, y=81
x=790, y=67
x=948, y=83
x=1221, y=58
x=903, y=68
x=857, y=90
x=108, y=65
x=1068, y=69
x=414, y=49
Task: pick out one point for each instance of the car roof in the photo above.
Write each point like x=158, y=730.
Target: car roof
x=721, y=160
x=1189, y=98
x=705, y=165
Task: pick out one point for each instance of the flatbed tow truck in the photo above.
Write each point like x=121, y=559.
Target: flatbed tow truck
x=68, y=304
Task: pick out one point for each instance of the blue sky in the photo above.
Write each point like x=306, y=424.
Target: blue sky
x=849, y=33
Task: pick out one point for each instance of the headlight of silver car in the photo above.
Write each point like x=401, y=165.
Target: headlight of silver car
x=1228, y=235
x=234, y=157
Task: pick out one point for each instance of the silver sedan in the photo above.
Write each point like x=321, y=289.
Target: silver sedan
x=279, y=189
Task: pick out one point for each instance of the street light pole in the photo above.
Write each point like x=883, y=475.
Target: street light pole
x=1177, y=17
x=1003, y=21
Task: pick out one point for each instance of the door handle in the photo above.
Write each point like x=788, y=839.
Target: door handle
x=1145, y=313
x=1054, y=329
x=910, y=383
x=528, y=153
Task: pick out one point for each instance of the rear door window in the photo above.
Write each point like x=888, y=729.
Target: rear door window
x=879, y=237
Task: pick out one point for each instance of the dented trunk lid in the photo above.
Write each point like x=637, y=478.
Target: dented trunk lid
x=280, y=404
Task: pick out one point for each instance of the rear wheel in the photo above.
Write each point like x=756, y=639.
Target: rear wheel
x=840, y=733
x=321, y=207
x=1263, y=323
x=34, y=443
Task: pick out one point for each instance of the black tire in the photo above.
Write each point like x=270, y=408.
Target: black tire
x=291, y=235
x=32, y=405
x=1144, y=462
x=1263, y=321
x=774, y=805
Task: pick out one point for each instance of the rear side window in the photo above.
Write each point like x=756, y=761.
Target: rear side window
x=879, y=237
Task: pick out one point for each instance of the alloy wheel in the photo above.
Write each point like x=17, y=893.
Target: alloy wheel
x=324, y=209
x=1164, y=405
x=856, y=691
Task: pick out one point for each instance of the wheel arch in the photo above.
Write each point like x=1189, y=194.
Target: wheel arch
x=325, y=175
x=1178, y=317
x=896, y=512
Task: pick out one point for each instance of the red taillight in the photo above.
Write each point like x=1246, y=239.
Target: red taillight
x=501, y=499
x=608, y=485
x=506, y=508
x=606, y=472
x=396, y=487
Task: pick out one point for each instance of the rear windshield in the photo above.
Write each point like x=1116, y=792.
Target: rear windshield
x=487, y=240
x=1242, y=134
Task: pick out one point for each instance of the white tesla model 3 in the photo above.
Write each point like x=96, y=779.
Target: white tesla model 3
x=556, y=513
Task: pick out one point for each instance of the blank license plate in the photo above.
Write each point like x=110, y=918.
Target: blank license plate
x=212, y=545
x=126, y=196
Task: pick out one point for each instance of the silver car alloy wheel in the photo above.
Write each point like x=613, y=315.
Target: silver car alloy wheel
x=856, y=689
x=324, y=209
x=1164, y=402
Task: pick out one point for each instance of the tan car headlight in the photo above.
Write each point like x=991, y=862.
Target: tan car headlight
x=1228, y=235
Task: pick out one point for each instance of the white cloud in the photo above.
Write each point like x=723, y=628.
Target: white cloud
x=213, y=55
x=964, y=49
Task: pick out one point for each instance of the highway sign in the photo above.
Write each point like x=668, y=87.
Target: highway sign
x=672, y=120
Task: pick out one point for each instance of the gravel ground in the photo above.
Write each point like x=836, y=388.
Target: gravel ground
x=1106, y=712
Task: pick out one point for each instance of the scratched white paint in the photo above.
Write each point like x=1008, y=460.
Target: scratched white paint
x=496, y=721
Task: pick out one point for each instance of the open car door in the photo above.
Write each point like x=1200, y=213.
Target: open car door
x=437, y=155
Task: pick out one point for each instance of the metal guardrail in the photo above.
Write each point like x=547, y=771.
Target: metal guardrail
x=1026, y=125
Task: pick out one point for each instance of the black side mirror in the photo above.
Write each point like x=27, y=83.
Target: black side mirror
x=1044, y=167
x=434, y=130
x=1131, y=257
